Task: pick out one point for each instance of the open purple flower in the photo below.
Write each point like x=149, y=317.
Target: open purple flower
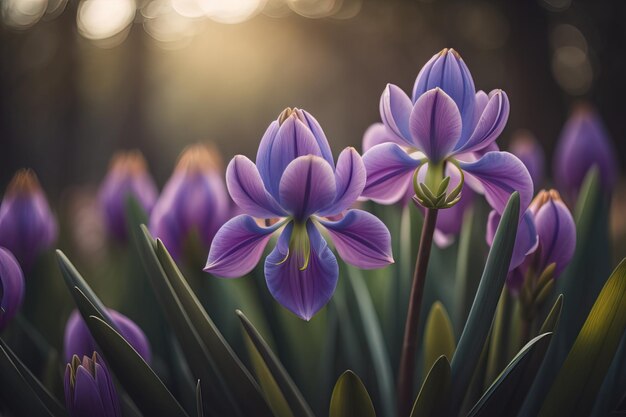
x=297, y=189
x=11, y=287
x=27, y=225
x=89, y=388
x=445, y=125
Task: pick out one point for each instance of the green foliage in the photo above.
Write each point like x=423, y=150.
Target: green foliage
x=431, y=398
x=438, y=336
x=350, y=398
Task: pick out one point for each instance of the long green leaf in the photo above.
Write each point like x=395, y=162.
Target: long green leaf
x=481, y=315
x=495, y=400
x=438, y=336
x=350, y=398
x=578, y=381
x=434, y=390
x=292, y=394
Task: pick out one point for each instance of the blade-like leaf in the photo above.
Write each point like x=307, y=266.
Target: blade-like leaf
x=350, y=398
x=578, y=381
x=199, y=407
x=434, y=390
x=495, y=400
x=438, y=336
x=292, y=394
x=481, y=315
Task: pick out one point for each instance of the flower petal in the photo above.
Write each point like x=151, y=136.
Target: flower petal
x=247, y=190
x=525, y=241
x=557, y=235
x=320, y=137
x=350, y=178
x=361, y=239
x=450, y=220
x=302, y=291
x=307, y=186
x=395, y=110
x=237, y=247
x=389, y=171
x=435, y=124
x=500, y=174
x=489, y=125
x=87, y=401
x=377, y=134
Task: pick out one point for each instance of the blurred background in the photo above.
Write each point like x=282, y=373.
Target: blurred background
x=81, y=79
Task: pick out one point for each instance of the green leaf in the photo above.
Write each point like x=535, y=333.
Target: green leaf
x=350, y=398
x=143, y=385
x=438, y=336
x=288, y=388
x=434, y=390
x=199, y=407
x=578, y=381
x=481, y=315
x=495, y=401
x=374, y=339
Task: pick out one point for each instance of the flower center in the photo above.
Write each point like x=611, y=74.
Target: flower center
x=299, y=245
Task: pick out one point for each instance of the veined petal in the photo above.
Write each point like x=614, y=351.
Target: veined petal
x=389, y=171
x=265, y=151
x=320, y=137
x=377, y=134
x=525, y=241
x=307, y=186
x=500, y=174
x=480, y=102
x=237, y=247
x=361, y=239
x=435, y=124
x=87, y=401
x=395, y=110
x=303, y=291
x=350, y=178
x=247, y=190
x=490, y=124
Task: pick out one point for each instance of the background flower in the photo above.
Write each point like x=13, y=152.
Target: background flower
x=11, y=286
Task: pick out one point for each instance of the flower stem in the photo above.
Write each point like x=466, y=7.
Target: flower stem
x=409, y=345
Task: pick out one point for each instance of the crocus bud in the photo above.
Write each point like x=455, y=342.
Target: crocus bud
x=78, y=340
x=556, y=231
x=27, y=226
x=89, y=388
x=583, y=144
x=193, y=200
x=526, y=147
x=11, y=287
x=128, y=176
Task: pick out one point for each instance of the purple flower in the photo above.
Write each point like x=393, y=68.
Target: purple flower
x=584, y=143
x=446, y=124
x=128, y=176
x=78, y=341
x=525, y=146
x=89, y=388
x=296, y=189
x=193, y=200
x=27, y=226
x=11, y=287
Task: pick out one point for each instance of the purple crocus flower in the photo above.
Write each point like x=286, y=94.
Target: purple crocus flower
x=27, y=226
x=11, y=286
x=78, y=341
x=526, y=147
x=445, y=125
x=584, y=143
x=296, y=189
x=193, y=200
x=128, y=176
x=89, y=388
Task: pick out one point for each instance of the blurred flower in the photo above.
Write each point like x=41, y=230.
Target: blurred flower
x=296, y=188
x=526, y=147
x=193, y=200
x=128, y=176
x=27, y=226
x=446, y=126
x=89, y=388
x=78, y=341
x=584, y=143
x=11, y=287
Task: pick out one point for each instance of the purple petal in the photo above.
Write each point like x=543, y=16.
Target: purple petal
x=435, y=124
x=395, y=110
x=133, y=334
x=320, y=137
x=237, y=247
x=12, y=283
x=377, y=134
x=481, y=99
x=302, y=291
x=361, y=239
x=87, y=401
x=108, y=394
x=450, y=220
x=557, y=235
x=525, y=241
x=490, y=124
x=307, y=186
x=500, y=174
x=350, y=178
x=247, y=190
x=389, y=172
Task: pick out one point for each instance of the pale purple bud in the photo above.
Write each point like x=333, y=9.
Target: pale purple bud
x=11, y=287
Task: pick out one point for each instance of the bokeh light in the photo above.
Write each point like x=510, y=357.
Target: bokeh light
x=103, y=19
x=22, y=14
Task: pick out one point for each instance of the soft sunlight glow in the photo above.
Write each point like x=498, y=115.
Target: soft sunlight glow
x=102, y=19
x=231, y=11
x=22, y=14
